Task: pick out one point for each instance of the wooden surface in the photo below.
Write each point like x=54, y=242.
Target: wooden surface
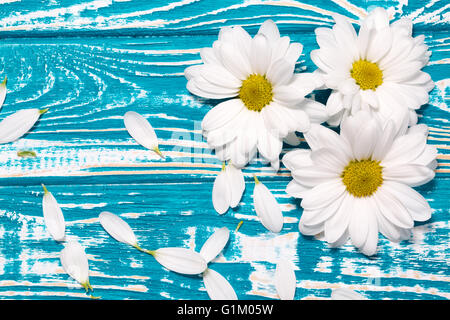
x=91, y=61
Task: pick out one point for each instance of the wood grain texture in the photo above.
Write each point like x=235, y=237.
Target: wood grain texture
x=90, y=62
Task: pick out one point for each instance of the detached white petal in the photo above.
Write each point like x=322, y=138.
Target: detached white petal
x=75, y=263
x=217, y=286
x=285, y=281
x=346, y=294
x=2, y=92
x=142, y=131
x=267, y=207
x=237, y=184
x=221, y=193
x=180, y=260
x=53, y=216
x=17, y=124
x=215, y=244
x=117, y=228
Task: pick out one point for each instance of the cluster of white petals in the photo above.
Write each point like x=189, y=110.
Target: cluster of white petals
x=359, y=182
x=377, y=69
x=266, y=99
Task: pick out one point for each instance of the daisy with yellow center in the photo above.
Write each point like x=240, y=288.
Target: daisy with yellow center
x=266, y=100
x=359, y=182
x=377, y=69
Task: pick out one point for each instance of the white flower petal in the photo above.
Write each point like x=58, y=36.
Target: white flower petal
x=346, y=294
x=215, y=244
x=237, y=184
x=297, y=190
x=260, y=54
x=270, y=30
x=18, y=124
x=280, y=72
x=298, y=158
x=222, y=114
x=413, y=201
x=75, y=263
x=337, y=225
x=217, y=286
x=221, y=193
x=410, y=174
x=53, y=216
x=141, y=130
x=180, y=260
x=392, y=209
x=323, y=194
x=267, y=208
x=117, y=228
x=285, y=281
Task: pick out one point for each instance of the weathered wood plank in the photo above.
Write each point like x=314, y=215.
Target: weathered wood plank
x=169, y=215
x=89, y=162
x=28, y=17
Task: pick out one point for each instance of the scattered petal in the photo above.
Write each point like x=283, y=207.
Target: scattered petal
x=180, y=260
x=53, y=216
x=217, y=286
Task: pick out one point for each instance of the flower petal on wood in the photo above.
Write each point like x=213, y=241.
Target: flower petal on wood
x=117, y=228
x=346, y=294
x=221, y=193
x=53, y=216
x=215, y=244
x=142, y=131
x=75, y=263
x=237, y=184
x=180, y=260
x=267, y=208
x=285, y=281
x=217, y=286
x=18, y=124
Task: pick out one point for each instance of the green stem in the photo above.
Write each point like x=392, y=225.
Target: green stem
x=150, y=252
x=4, y=81
x=156, y=149
x=223, y=166
x=42, y=111
x=239, y=225
x=45, y=188
x=256, y=178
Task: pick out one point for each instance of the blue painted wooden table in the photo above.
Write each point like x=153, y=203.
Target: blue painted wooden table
x=90, y=61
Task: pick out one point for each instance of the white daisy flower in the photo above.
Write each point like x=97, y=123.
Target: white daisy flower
x=359, y=182
x=376, y=69
x=266, y=100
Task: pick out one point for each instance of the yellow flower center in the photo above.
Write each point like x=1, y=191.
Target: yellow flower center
x=366, y=74
x=256, y=92
x=362, y=177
